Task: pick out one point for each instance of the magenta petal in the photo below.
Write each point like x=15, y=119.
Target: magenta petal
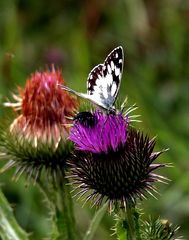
x=108, y=134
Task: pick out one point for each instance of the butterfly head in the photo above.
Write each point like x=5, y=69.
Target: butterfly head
x=111, y=110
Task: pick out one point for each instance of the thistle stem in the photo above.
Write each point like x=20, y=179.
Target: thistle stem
x=131, y=229
x=60, y=203
x=67, y=226
x=127, y=222
x=95, y=222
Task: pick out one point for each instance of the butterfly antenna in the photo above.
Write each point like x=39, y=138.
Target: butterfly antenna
x=67, y=88
x=71, y=90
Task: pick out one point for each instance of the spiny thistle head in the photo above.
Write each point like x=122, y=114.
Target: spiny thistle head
x=113, y=162
x=37, y=138
x=159, y=229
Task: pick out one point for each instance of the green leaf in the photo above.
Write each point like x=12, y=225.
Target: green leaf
x=95, y=222
x=9, y=228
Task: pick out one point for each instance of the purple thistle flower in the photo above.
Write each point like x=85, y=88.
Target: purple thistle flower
x=109, y=132
x=112, y=162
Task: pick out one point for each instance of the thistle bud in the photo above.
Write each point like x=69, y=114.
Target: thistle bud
x=37, y=138
x=159, y=229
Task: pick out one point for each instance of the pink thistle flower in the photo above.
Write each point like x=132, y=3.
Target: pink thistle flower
x=38, y=138
x=45, y=109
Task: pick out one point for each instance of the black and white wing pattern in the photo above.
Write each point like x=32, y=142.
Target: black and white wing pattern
x=104, y=80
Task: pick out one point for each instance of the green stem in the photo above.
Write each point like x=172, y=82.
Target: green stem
x=47, y=192
x=131, y=230
x=66, y=210
x=137, y=224
x=95, y=222
x=61, y=205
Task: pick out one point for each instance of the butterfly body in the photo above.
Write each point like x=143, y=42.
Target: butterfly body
x=87, y=119
x=104, y=81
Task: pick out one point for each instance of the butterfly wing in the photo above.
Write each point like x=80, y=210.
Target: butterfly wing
x=95, y=77
x=113, y=69
x=104, y=80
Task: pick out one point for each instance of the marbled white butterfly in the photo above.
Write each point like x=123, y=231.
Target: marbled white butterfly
x=103, y=81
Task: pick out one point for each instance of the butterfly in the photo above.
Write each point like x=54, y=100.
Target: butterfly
x=104, y=81
x=86, y=119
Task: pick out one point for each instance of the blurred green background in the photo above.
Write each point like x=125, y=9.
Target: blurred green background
x=76, y=36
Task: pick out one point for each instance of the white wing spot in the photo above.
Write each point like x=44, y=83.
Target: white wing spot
x=120, y=60
x=112, y=65
x=116, y=55
x=91, y=77
x=109, y=69
x=108, y=80
x=105, y=93
x=113, y=89
x=117, y=71
x=98, y=82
